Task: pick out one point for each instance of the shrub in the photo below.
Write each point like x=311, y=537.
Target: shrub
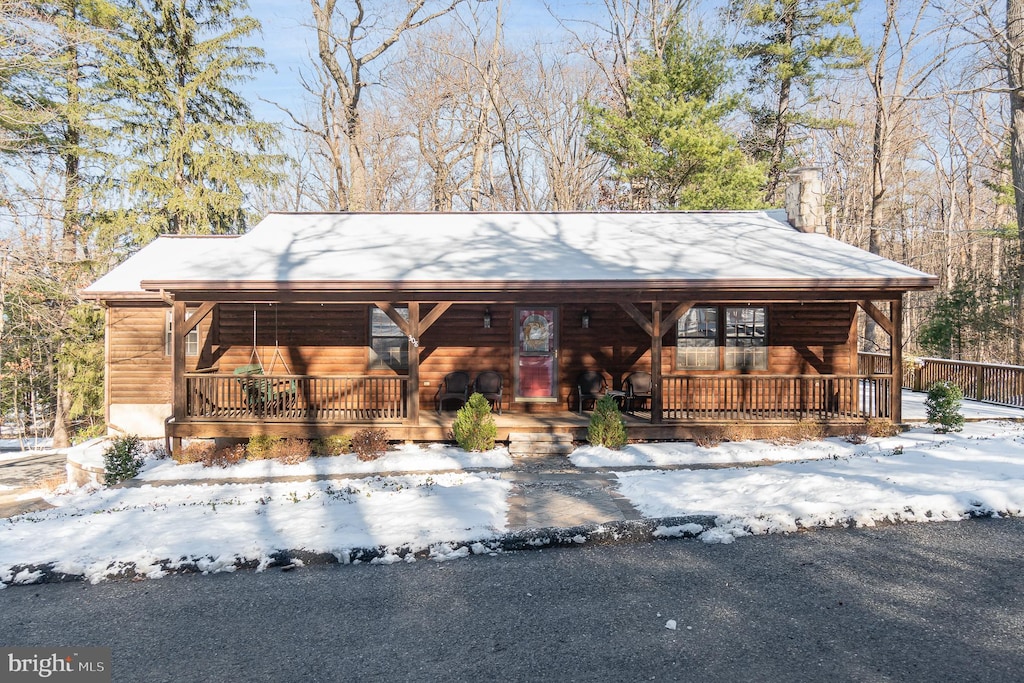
x=261, y=447
x=709, y=437
x=122, y=459
x=607, y=426
x=226, y=456
x=943, y=407
x=370, y=444
x=332, y=445
x=879, y=427
x=474, y=427
x=194, y=451
x=291, y=451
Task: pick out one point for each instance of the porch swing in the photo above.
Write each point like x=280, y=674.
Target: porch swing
x=262, y=394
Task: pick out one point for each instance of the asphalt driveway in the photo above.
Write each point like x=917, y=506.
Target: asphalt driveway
x=916, y=602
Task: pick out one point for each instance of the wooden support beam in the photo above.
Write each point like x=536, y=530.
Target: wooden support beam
x=876, y=314
x=414, y=362
x=677, y=313
x=896, y=358
x=638, y=317
x=197, y=317
x=391, y=312
x=656, y=334
x=178, y=359
x=431, y=317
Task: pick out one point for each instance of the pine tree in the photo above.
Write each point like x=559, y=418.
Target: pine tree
x=195, y=147
x=50, y=101
x=794, y=44
x=670, y=147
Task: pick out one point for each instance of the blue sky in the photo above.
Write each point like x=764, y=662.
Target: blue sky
x=288, y=40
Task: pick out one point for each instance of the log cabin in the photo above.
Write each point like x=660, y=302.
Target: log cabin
x=321, y=323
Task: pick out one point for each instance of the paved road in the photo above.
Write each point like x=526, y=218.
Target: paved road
x=20, y=475
x=925, y=602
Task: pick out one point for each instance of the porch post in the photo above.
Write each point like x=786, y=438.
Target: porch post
x=656, y=402
x=414, y=362
x=178, y=359
x=896, y=358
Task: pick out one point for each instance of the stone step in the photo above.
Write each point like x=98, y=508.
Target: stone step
x=541, y=449
x=539, y=437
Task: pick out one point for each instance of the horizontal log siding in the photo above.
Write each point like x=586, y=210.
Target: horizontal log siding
x=138, y=369
x=312, y=339
x=613, y=343
x=459, y=341
x=332, y=340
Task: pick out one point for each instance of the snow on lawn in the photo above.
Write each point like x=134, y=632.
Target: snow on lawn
x=96, y=532
x=917, y=476
x=404, y=458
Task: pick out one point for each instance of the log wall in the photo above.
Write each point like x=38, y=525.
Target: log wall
x=324, y=340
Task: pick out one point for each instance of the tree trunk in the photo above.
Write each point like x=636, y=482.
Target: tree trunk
x=772, y=194
x=1015, y=78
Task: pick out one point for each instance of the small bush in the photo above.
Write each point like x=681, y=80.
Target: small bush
x=194, y=451
x=261, y=447
x=738, y=431
x=607, y=426
x=226, y=457
x=122, y=459
x=370, y=444
x=332, y=445
x=291, y=451
x=474, y=427
x=709, y=437
x=943, y=407
x=880, y=428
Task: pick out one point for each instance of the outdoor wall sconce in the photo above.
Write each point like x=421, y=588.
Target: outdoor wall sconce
x=487, y=317
x=585, y=320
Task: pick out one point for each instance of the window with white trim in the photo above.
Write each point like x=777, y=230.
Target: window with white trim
x=191, y=339
x=697, y=339
x=717, y=337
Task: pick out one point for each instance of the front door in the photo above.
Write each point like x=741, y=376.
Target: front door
x=536, y=354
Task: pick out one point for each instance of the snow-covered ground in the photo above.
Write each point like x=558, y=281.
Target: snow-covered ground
x=919, y=476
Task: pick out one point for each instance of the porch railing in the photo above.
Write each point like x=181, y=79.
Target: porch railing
x=348, y=398
x=990, y=382
x=776, y=397
x=979, y=381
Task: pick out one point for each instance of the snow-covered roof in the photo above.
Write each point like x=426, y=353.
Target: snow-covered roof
x=166, y=256
x=406, y=249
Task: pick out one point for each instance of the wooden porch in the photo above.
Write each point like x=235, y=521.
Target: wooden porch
x=303, y=406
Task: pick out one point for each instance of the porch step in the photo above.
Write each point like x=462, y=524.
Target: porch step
x=539, y=443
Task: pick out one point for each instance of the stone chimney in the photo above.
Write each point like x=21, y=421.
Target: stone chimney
x=805, y=207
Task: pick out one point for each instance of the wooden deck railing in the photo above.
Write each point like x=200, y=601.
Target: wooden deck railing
x=776, y=397
x=353, y=398
x=988, y=382
x=979, y=381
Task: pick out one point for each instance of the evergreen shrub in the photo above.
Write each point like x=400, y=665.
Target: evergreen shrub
x=943, y=407
x=261, y=447
x=332, y=445
x=122, y=459
x=474, y=428
x=607, y=426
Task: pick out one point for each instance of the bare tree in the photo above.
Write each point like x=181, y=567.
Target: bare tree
x=346, y=47
x=556, y=97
